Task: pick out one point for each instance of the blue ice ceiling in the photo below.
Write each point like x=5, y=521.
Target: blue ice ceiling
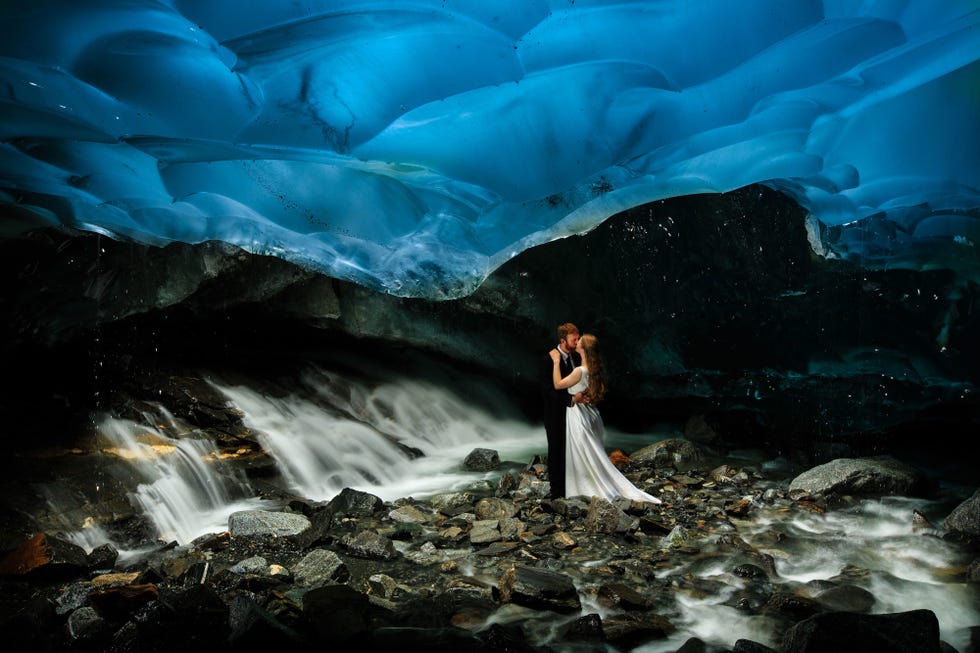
x=414, y=147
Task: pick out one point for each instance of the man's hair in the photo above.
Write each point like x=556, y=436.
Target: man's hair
x=565, y=329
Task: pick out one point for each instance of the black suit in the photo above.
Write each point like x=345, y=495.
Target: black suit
x=556, y=402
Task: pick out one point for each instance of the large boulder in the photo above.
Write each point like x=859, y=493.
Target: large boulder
x=916, y=631
x=965, y=518
x=266, y=525
x=682, y=455
x=539, y=589
x=45, y=555
x=877, y=476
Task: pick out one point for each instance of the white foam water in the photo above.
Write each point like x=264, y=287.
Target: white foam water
x=338, y=432
x=872, y=543
x=185, y=490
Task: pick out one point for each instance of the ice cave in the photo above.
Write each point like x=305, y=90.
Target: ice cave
x=278, y=280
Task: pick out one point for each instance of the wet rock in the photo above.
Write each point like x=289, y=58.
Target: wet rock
x=604, y=517
x=790, y=606
x=72, y=597
x=320, y=567
x=877, y=476
x=916, y=631
x=191, y=619
x=748, y=646
x=450, y=503
x=369, y=544
x=253, y=628
x=693, y=645
x=846, y=598
x=973, y=571
x=382, y=585
x=85, y=624
x=103, y=557
x=627, y=631
x=679, y=454
x=409, y=514
x=265, y=525
x=539, y=589
x=253, y=565
x=485, y=531
x=495, y=508
x=482, y=460
x=118, y=603
x=45, y=556
x=965, y=518
x=750, y=571
x=587, y=628
x=509, y=638
x=354, y=503
x=618, y=595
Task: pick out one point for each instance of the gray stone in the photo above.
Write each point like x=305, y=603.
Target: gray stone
x=382, y=585
x=409, y=515
x=355, y=503
x=482, y=460
x=254, y=565
x=451, y=500
x=495, y=508
x=369, y=544
x=604, y=517
x=485, y=531
x=680, y=454
x=261, y=523
x=84, y=622
x=539, y=589
x=318, y=568
x=965, y=518
x=877, y=476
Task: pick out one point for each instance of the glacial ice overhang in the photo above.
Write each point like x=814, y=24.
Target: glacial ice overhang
x=414, y=147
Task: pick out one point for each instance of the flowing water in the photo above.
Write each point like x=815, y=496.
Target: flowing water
x=185, y=490
x=872, y=545
x=338, y=430
x=343, y=432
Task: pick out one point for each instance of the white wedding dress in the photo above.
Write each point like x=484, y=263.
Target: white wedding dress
x=588, y=470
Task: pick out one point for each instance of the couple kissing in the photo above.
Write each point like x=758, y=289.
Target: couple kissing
x=573, y=383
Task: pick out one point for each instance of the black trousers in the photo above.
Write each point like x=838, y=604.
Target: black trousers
x=554, y=426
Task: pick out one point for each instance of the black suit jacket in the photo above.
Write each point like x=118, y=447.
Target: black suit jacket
x=555, y=400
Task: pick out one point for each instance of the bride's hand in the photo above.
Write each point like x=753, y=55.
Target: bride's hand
x=554, y=355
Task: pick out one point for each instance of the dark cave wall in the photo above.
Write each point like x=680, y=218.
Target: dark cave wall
x=705, y=305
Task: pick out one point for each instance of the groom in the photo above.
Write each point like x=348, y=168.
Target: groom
x=555, y=404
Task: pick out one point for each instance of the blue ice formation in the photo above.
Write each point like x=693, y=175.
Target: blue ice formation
x=414, y=147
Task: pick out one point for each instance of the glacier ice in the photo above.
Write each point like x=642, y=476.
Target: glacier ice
x=414, y=147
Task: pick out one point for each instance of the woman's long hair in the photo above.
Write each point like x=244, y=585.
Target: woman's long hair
x=597, y=373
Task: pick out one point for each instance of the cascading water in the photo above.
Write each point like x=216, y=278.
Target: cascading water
x=341, y=432
x=186, y=492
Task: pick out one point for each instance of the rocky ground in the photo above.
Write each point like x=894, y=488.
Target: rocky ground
x=493, y=568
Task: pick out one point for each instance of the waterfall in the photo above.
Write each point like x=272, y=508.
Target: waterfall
x=336, y=431
x=185, y=490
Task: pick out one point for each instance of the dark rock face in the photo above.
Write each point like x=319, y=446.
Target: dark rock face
x=741, y=323
x=909, y=632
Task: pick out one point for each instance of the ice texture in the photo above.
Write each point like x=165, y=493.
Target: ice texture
x=414, y=147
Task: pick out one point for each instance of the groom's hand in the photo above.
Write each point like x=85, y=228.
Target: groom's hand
x=580, y=398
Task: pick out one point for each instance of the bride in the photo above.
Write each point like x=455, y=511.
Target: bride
x=588, y=471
